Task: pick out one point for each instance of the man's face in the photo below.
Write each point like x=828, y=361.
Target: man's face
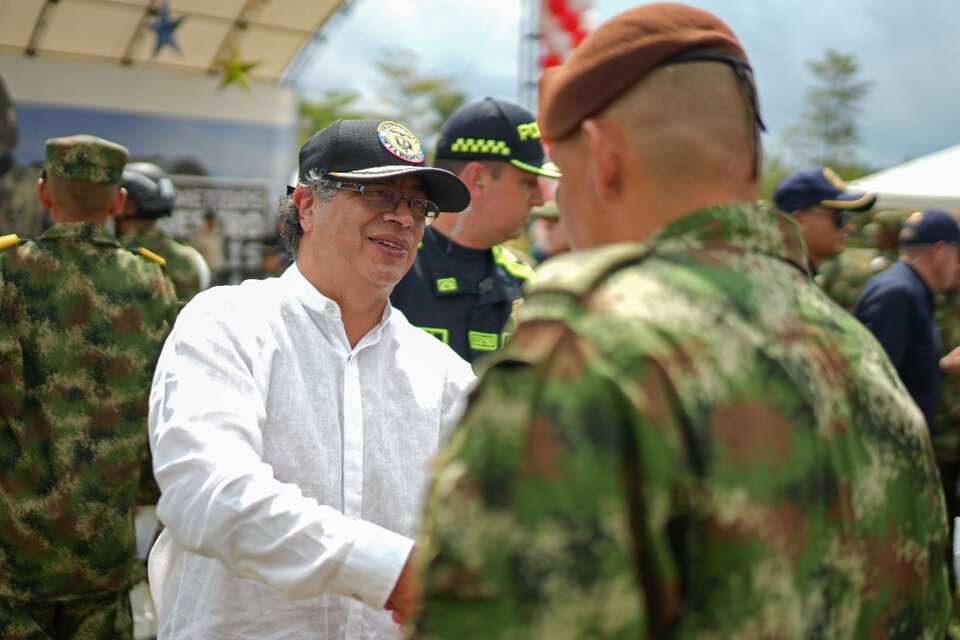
x=948, y=266
x=352, y=245
x=569, y=155
x=825, y=231
x=509, y=200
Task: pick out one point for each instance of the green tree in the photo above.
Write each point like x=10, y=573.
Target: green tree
x=421, y=102
x=827, y=132
x=331, y=106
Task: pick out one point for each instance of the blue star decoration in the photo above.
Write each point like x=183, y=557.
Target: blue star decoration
x=235, y=70
x=164, y=26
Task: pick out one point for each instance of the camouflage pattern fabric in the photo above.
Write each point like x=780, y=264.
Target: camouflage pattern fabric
x=86, y=158
x=685, y=438
x=844, y=277
x=106, y=618
x=947, y=318
x=21, y=211
x=946, y=439
x=82, y=322
x=182, y=260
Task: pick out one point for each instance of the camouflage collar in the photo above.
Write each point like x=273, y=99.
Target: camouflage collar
x=740, y=227
x=83, y=231
x=732, y=226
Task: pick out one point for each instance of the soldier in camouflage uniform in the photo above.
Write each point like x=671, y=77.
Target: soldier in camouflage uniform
x=82, y=322
x=151, y=196
x=684, y=437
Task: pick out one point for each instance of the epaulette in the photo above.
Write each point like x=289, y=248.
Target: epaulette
x=511, y=263
x=578, y=273
x=150, y=255
x=9, y=240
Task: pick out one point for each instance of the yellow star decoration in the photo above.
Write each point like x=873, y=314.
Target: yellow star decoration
x=235, y=70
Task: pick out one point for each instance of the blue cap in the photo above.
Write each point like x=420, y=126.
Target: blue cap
x=929, y=227
x=819, y=187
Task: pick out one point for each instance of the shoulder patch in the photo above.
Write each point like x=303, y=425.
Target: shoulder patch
x=579, y=272
x=511, y=263
x=150, y=255
x=9, y=240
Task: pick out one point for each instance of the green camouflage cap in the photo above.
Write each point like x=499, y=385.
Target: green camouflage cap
x=86, y=159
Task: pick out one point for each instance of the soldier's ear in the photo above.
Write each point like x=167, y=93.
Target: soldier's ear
x=43, y=192
x=117, y=201
x=605, y=157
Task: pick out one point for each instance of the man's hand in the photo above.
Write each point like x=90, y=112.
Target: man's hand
x=405, y=598
x=950, y=363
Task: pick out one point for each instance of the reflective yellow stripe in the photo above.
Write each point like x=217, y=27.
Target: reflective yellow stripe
x=9, y=240
x=480, y=145
x=480, y=341
x=443, y=335
x=510, y=262
x=447, y=285
x=150, y=255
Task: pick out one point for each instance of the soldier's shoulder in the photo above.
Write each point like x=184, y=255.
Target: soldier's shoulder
x=10, y=241
x=579, y=273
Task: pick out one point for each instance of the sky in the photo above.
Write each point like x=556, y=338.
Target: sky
x=910, y=51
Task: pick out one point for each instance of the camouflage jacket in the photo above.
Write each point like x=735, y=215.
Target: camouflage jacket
x=82, y=322
x=844, y=277
x=686, y=438
x=947, y=441
x=185, y=265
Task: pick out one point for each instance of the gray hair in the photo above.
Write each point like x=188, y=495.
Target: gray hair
x=288, y=215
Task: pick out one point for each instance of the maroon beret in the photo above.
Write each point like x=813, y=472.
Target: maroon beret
x=619, y=54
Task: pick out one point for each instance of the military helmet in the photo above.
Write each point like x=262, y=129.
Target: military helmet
x=150, y=187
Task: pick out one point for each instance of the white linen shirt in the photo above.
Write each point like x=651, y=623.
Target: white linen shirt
x=293, y=468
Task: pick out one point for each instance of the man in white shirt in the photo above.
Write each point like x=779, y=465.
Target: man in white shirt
x=292, y=419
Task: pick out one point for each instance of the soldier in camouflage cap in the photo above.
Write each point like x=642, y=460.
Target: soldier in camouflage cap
x=84, y=158
x=683, y=438
x=81, y=325
x=20, y=208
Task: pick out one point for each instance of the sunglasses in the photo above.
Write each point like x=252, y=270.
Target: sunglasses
x=840, y=216
x=384, y=199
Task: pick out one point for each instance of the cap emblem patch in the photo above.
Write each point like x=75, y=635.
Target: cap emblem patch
x=399, y=141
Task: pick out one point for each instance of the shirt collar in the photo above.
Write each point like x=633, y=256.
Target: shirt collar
x=733, y=226
x=308, y=295
x=85, y=231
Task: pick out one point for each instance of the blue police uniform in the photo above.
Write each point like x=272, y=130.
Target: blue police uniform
x=462, y=296
x=897, y=306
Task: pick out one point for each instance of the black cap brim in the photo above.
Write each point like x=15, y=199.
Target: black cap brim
x=443, y=187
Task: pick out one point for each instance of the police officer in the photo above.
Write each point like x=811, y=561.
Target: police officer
x=464, y=284
x=151, y=196
x=82, y=322
x=681, y=439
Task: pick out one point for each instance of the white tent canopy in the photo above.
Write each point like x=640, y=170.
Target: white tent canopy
x=266, y=34
x=928, y=181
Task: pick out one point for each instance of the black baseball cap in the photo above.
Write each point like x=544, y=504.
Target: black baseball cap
x=366, y=151
x=494, y=129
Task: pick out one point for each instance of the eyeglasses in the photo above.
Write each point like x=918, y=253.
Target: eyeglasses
x=840, y=216
x=384, y=198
